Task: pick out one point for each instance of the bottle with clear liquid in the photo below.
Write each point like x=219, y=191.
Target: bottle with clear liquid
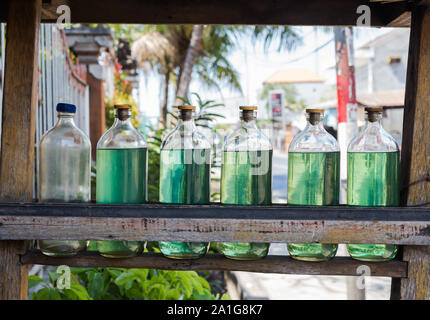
x=373, y=179
x=121, y=175
x=64, y=173
x=185, y=177
x=246, y=178
x=313, y=178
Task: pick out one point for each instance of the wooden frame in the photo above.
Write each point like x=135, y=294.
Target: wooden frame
x=277, y=223
x=271, y=264
x=408, y=226
x=273, y=12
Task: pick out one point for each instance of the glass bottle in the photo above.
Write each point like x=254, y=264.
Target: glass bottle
x=246, y=178
x=313, y=178
x=373, y=179
x=64, y=172
x=185, y=177
x=121, y=175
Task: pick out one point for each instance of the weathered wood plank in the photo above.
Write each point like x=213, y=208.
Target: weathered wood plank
x=416, y=285
x=18, y=131
x=270, y=264
x=271, y=12
x=415, y=165
x=402, y=21
x=215, y=223
x=13, y=274
x=19, y=101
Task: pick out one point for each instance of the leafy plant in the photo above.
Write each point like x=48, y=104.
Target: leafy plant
x=122, y=95
x=125, y=284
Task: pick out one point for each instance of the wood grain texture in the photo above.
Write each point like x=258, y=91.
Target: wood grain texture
x=215, y=223
x=254, y=12
x=13, y=274
x=415, y=164
x=270, y=264
x=19, y=101
x=416, y=285
x=18, y=131
x=402, y=21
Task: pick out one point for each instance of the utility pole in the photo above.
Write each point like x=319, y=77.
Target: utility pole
x=347, y=120
x=347, y=104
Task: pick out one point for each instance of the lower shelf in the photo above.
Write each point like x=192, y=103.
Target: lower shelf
x=271, y=264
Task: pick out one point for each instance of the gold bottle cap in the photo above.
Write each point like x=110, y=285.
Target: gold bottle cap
x=321, y=111
x=248, y=107
x=122, y=106
x=373, y=109
x=186, y=107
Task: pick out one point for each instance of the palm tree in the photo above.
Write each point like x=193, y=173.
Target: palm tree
x=154, y=51
x=202, y=51
x=193, y=52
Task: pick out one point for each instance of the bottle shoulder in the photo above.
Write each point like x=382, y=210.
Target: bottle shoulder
x=65, y=137
x=178, y=139
x=247, y=139
x=123, y=137
x=314, y=141
x=373, y=139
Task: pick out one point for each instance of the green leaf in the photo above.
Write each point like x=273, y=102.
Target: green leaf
x=80, y=291
x=47, y=294
x=225, y=297
x=95, y=285
x=124, y=278
x=53, y=276
x=34, y=281
x=186, y=283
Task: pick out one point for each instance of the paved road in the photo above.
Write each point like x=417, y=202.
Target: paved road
x=279, y=172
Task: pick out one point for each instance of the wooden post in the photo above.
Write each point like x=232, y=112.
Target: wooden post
x=18, y=123
x=415, y=163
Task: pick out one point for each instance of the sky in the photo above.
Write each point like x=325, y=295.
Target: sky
x=317, y=53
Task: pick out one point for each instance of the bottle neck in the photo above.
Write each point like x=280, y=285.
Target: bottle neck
x=65, y=119
x=373, y=120
x=123, y=118
x=186, y=121
x=315, y=122
x=186, y=125
x=248, y=119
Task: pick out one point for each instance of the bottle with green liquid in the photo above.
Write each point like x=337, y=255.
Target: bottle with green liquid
x=313, y=179
x=373, y=179
x=121, y=175
x=185, y=177
x=246, y=178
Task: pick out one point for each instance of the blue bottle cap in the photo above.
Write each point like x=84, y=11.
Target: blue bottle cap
x=66, y=107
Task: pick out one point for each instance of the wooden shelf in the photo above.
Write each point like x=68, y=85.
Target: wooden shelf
x=154, y=222
x=270, y=264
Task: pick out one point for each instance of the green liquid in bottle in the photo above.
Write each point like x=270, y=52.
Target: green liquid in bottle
x=184, y=178
x=121, y=179
x=313, y=180
x=373, y=180
x=246, y=179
